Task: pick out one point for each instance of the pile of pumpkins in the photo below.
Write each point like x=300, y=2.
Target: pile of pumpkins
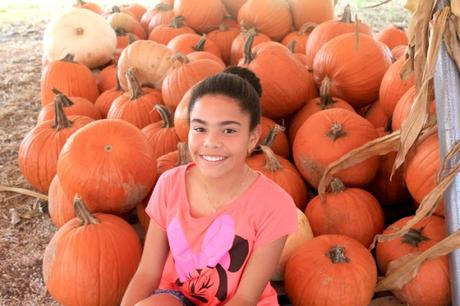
x=114, y=93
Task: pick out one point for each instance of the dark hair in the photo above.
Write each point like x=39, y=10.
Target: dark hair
x=238, y=83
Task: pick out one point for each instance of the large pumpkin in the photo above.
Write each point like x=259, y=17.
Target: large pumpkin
x=91, y=259
x=40, y=148
x=355, y=69
x=352, y=212
x=423, y=235
x=163, y=33
x=238, y=43
x=83, y=33
x=223, y=37
x=110, y=164
x=327, y=136
x=60, y=207
x=330, y=270
x=151, y=61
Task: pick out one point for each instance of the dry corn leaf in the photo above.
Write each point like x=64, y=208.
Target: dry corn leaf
x=417, y=118
x=24, y=191
x=455, y=7
x=411, y=5
x=406, y=271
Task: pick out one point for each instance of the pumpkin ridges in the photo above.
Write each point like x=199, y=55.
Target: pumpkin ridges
x=201, y=15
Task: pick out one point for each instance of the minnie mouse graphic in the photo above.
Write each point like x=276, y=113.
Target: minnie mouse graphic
x=204, y=275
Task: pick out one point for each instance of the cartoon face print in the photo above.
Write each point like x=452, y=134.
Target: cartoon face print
x=204, y=274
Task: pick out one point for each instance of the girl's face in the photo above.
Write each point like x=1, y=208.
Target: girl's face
x=219, y=138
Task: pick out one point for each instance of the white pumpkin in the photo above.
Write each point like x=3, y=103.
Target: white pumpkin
x=83, y=33
x=293, y=241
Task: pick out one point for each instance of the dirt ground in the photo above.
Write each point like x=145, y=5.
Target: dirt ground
x=25, y=227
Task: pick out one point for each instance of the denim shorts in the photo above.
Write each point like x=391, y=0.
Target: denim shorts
x=177, y=294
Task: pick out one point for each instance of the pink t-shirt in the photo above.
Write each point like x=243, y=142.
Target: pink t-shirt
x=208, y=254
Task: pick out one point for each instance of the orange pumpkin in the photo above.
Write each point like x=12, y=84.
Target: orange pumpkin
x=201, y=15
x=163, y=33
x=199, y=55
x=352, y=212
x=327, y=136
x=89, y=6
x=184, y=75
x=330, y=29
x=110, y=164
x=392, y=36
x=190, y=42
x=398, y=51
x=181, y=117
x=324, y=101
x=137, y=105
x=376, y=115
x=300, y=37
x=393, y=86
x=107, y=78
x=271, y=17
x=71, y=78
x=91, y=247
x=59, y=207
x=40, y=148
x=134, y=9
x=317, y=11
x=422, y=168
x=342, y=263
x=286, y=83
x=160, y=14
x=282, y=172
x=72, y=106
x=238, y=43
x=181, y=156
x=162, y=135
x=422, y=236
x=105, y=99
x=223, y=37
x=233, y=6
x=273, y=136
x=355, y=69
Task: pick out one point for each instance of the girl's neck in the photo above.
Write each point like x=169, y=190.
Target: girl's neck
x=229, y=182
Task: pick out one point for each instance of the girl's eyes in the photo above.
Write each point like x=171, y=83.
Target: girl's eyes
x=225, y=131
x=199, y=129
x=229, y=131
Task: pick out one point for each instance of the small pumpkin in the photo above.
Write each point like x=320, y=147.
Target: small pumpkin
x=119, y=20
x=137, y=106
x=342, y=263
x=105, y=99
x=352, y=212
x=304, y=11
x=376, y=115
x=223, y=37
x=190, y=42
x=107, y=78
x=273, y=136
x=164, y=33
x=300, y=37
x=392, y=36
x=173, y=159
x=60, y=207
x=161, y=13
x=91, y=247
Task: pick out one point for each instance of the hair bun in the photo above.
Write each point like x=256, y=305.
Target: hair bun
x=247, y=75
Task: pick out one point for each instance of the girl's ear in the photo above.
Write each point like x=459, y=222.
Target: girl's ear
x=254, y=138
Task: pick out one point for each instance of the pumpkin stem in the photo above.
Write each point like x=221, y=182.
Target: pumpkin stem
x=66, y=102
x=271, y=162
x=325, y=99
x=165, y=115
x=120, y=32
x=81, y=2
x=184, y=157
x=82, y=212
x=60, y=119
x=337, y=185
x=337, y=255
x=356, y=32
x=414, y=237
x=179, y=59
x=200, y=44
x=346, y=17
x=68, y=58
x=223, y=27
x=307, y=28
x=131, y=38
x=336, y=131
x=162, y=7
x=116, y=9
x=134, y=89
x=177, y=22
x=274, y=131
x=248, y=55
x=291, y=45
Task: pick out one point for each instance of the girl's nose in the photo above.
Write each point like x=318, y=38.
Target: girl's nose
x=212, y=141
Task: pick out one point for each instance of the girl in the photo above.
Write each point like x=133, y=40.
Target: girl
x=218, y=227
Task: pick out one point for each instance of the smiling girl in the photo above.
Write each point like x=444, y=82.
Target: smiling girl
x=218, y=227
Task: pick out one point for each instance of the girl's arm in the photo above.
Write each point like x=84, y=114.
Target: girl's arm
x=257, y=273
x=148, y=274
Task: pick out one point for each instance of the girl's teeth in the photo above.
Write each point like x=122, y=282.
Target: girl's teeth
x=213, y=158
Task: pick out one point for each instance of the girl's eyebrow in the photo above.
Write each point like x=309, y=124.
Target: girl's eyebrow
x=227, y=122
